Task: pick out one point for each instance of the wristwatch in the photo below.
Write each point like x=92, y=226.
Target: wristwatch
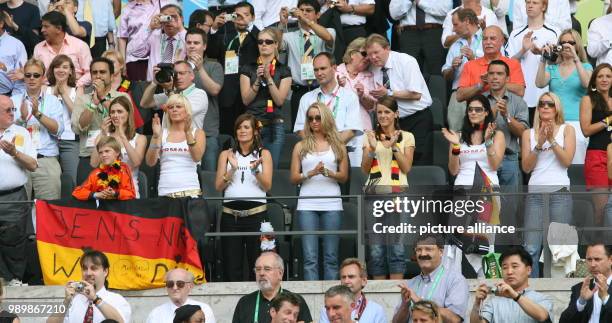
x=38, y=115
x=389, y=92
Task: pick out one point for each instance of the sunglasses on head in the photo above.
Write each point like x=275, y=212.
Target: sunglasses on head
x=179, y=284
x=476, y=109
x=571, y=42
x=548, y=104
x=32, y=75
x=265, y=41
x=315, y=118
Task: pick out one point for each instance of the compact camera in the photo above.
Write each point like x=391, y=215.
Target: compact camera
x=333, y=3
x=165, y=18
x=78, y=286
x=292, y=12
x=230, y=16
x=553, y=55
x=165, y=73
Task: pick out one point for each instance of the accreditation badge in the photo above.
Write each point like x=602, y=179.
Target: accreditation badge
x=231, y=62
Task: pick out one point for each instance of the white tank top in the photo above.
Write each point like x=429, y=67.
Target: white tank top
x=67, y=133
x=470, y=155
x=548, y=175
x=243, y=182
x=126, y=159
x=320, y=185
x=178, y=171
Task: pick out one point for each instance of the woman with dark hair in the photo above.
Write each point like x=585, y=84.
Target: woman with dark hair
x=596, y=124
x=189, y=314
x=243, y=171
x=387, y=158
x=477, y=144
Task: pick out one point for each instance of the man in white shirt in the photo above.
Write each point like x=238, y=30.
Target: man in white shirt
x=13, y=57
x=339, y=300
x=343, y=103
x=266, y=11
x=179, y=283
x=353, y=17
x=420, y=29
x=600, y=39
x=354, y=275
x=17, y=157
x=397, y=75
x=486, y=17
x=557, y=15
x=88, y=300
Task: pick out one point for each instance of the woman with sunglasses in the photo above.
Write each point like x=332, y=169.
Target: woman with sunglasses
x=387, y=159
x=179, y=148
x=547, y=150
x=244, y=170
x=319, y=164
x=568, y=78
x=596, y=124
x=264, y=86
x=426, y=312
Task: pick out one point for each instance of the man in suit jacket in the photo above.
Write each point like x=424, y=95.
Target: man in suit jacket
x=590, y=300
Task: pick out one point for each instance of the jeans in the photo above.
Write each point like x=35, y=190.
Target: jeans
x=69, y=158
x=383, y=256
x=320, y=220
x=209, y=160
x=509, y=175
x=234, y=248
x=560, y=211
x=273, y=138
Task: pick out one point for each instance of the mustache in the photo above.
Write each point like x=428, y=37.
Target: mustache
x=424, y=257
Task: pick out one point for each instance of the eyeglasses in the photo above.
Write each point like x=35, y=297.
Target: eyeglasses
x=9, y=110
x=266, y=269
x=547, y=104
x=179, y=284
x=421, y=305
x=315, y=118
x=476, y=109
x=32, y=75
x=265, y=41
x=571, y=42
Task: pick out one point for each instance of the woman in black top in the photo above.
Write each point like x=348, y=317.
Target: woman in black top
x=264, y=86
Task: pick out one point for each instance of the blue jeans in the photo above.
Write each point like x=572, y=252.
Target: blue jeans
x=209, y=160
x=560, y=210
x=381, y=256
x=273, y=138
x=509, y=175
x=320, y=220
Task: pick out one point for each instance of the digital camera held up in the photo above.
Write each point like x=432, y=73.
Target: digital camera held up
x=165, y=74
x=553, y=55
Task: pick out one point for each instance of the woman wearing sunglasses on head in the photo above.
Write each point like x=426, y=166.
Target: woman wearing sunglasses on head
x=426, y=312
x=547, y=151
x=264, y=86
x=568, y=77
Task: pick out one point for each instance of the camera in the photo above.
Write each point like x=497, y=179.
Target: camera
x=553, y=55
x=492, y=289
x=165, y=74
x=292, y=12
x=78, y=286
x=333, y=3
x=230, y=16
x=165, y=18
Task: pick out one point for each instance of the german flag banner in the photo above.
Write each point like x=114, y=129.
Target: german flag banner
x=143, y=239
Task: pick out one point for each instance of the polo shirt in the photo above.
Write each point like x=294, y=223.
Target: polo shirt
x=473, y=69
x=517, y=109
x=505, y=310
x=245, y=309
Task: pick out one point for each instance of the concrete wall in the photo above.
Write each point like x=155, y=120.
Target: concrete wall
x=222, y=297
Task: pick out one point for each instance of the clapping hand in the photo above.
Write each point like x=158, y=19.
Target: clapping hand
x=451, y=136
x=156, y=126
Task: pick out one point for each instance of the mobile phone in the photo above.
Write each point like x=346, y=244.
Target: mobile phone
x=592, y=284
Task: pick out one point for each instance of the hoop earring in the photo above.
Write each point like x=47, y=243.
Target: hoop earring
x=593, y=89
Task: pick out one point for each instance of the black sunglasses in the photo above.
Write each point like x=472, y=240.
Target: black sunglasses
x=265, y=41
x=179, y=284
x=571, y=42
x=317, y=118
x=476, y=109
x=32, y=75
x=549, y=104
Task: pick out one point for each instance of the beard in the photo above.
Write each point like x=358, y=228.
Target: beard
x=264, y=285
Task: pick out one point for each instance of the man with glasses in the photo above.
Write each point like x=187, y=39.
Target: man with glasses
x=339, y=303
x=17, y=159
x=179, y=283
x=269, y=270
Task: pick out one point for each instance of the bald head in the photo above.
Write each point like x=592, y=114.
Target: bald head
x=5, y=101
x=7, y=116
x=180, y=274
x=492, y=42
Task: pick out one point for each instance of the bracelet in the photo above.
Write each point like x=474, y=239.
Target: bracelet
x=38, y=115
x=304, y=176
x=254, y=171
x=456, y=150
x=225, y=179
x=489, y=142
x=395, y=150
x=352, y=9
x=537, y=149
x=325, y=172
x=97, y=301
x=516, y=299
x=154, y=146
x=191, y=144
x=372, y=154
x=553, y=143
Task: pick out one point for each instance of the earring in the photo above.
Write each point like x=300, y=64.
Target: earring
x=593, y=89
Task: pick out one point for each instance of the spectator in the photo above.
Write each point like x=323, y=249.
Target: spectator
x=62, y=85
x=269, y=270
x=13, y=59
x=354, y=275
x=17, y=157
x=178, y=146
x=558, y=15
x=302, y=46
x=568, y=78
x=209, y=77
x=120, y=125
x=590, y=299
x=396, y=76
x=444, y=286
x=513, y=300
x=477, y=143
x=353, y=72
x=179, y=283
x=243, y=170
x=42, y=115
x=201, y=19
x=500, y=8
x=526, y=45
x=484, y=17
x=220, y=7
x=341, y=102
x=7, y=317
x=91, y=109
x=426, y=312
x=133, y=35
x=57, y=41
x=189, y=314
x=22, y=21
x=387, y=158
x=339, y=304
x=112, y=179
x=284, y=308
x=102, y=19
x=78, y=29
x=319, y=164
x=465, y=48
x=94, y=300
x=237, y=42
x=266, y=12
x=547, y=150
x=353, y=17
x=264, y=86
x=595, y=124
x=599, y=38
x=420, y=28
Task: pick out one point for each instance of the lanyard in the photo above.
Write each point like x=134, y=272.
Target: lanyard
x=177, y=46
x=256, y=313
x=41, y=104
x=334, y=96
x=362, y=307
x=434, y=286
x=229, y=47
x=188, y=90
x=314, y=40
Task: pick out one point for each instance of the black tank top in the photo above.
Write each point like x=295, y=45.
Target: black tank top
x=600, y=140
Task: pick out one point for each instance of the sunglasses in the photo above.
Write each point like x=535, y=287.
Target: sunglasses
x=265, y=41
x=179, y=284
x=32, y=75
x=364, y=53
x=571, y=42
x=476, y=109
x=315, y=118
x=548, y=104
x=9, y=110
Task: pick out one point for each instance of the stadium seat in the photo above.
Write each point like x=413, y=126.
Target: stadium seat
x=437, y=110
x=427, y=175
x=440, y=150
x=437, y=89
x=225, y=142
x=281, y=186
x=357, y=181
x=285, y=159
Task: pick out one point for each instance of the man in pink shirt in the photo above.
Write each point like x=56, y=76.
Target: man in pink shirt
x=57, y=41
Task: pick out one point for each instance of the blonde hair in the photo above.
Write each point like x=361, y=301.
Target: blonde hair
x=328, y=127
x=355, y=46
x=116, y=55
x=277, y=37
x=109, y=141
x=559, y=119
x=579, y=48
x=172, y=100
x=35, y=62
x=428, y=307
x=377, y=39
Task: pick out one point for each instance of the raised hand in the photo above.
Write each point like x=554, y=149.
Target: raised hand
x=451, y=136
x=156, y=126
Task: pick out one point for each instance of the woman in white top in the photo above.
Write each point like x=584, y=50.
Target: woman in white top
x=319, y=163
x=62, y=84
x=547, y=150
x=179, y=147
x=243, y=171
x=120, y=125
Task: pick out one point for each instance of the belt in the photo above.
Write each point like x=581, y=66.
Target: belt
x=15, y=190
x=347, y=27
x=420, y=27
x=296, y=87
x=43, y=156
x=269, y=122
x=187, y=193
x=245, y=213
